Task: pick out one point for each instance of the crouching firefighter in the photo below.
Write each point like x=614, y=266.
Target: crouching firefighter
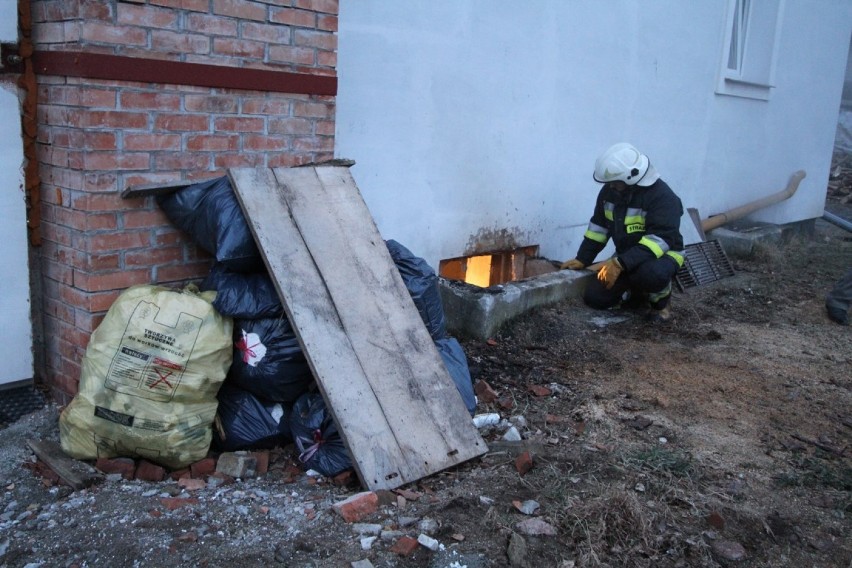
x=641, y=214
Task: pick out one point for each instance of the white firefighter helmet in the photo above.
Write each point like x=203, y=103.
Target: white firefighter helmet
x=623, y=162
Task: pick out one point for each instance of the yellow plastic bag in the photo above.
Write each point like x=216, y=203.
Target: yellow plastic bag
x=149, y=379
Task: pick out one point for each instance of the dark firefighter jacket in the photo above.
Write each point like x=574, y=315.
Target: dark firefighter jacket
x=643, y=223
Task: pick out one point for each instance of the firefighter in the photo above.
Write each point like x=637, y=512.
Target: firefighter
x=838, y=301
x=641, y=214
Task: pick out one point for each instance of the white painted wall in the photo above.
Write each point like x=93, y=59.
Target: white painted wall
x=475, y=117
x=16, y=333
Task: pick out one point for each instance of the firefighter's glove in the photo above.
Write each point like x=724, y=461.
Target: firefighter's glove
x=609, y=272
x=572, y=264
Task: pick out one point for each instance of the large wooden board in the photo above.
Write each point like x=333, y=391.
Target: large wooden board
x=385, y=383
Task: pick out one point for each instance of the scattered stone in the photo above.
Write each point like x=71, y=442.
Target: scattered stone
x=405, y=546
x=486, y=420
x=219, y=479
x=528, y=507
x=535, y=527
x=506, y=402
x=362, y=564
x=357, y=506
x=367, y=542
x=428, y=526
x=366, y=528
x=716, y=521
x=202, y=468
x=261, y=462
x=487, y=501
x=512, y=435
x=406, y=521
x=640, y=422
x=484, y=392
x=517, y=551
x=147, y=471
x=126, y=467
x=408, y=494
x=729, y=549
x=192, y=484
x=428, y=542
x=388, y=536
x=639, y=487
x=540, y=390
x=458, y=537
x=237, y=464
x=523, y=464
x=344, y=478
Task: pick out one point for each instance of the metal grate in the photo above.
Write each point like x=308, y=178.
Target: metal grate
x=705, y=262
x=16, y=402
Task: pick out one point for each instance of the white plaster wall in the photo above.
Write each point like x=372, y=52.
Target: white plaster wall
x=16, y=334
x=480, y=118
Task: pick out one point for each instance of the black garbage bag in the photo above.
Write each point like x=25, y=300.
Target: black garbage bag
x=456, y=362
x=422, y=284
x=268, y=360
x=209, y=213
x=249, y=422
x=316, y=436
x=243, y=295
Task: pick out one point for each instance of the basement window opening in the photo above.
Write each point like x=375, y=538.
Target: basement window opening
x=495, y=268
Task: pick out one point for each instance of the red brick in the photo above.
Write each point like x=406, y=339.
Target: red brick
x=212, y=143
x=239, y=124
x=523, y=463
x=174, y=42
x=182, y=161
x=153, y=257
x=314, y=144
x=115, y=35
x=405, y=546
x=327, y=22
x=152, y=142
x=357, y=506
x=203, y=468
x=296, y=126
x=238, y=160
x=289, y=54
x=313, y=110
x=252, y=143
x=217, y=104
x=484, y=392
x=147, y=16
x=194, y=5
x=242, y=9
x=327, y=6
x=191, y=484
x=125, y=466
x=142, y=218
x=113, y=161
x=147, y=471
x=111, y=280
x=291, y=17
x=317, y=39
x=272, y=107
x=110, y=119
x=262, y=458
x=327, y=58
x=265, y=33
x=180, y=474
x=108, y=242
x=148, y=100
x=539, y=390
x=211, y=25
x=172, y=503
x=181, y=122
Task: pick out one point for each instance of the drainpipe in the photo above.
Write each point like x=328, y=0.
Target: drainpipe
x=839, y=221
x=717, y=220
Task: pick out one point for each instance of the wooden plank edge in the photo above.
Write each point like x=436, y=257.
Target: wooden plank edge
x=75, y=473
x=344, y=162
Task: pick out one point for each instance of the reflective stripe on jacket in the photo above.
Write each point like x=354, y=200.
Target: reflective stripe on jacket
x=643, y=223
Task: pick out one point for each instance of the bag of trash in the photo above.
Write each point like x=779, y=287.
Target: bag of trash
x=268, y=360
x=149, y=379
x=243, y=295
x=210, y=214
x=248, y=422
x=456, y=362
x=316, y=436
x=422, y=284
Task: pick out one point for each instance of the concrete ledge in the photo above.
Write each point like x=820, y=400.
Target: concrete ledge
x=477, y=312
x=739, y=238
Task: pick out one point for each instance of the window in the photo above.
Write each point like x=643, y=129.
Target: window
x=748, y=62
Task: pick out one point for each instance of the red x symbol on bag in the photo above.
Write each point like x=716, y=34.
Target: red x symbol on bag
x=162, y=379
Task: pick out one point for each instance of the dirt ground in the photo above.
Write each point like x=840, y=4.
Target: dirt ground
x=723, y=438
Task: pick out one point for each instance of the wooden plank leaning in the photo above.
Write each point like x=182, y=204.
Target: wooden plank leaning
x=397, y=408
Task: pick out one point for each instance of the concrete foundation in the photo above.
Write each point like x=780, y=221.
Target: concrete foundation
x=471, y=311
x=740, y=237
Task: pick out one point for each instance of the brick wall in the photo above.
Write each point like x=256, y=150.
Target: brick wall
x=97, y=136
